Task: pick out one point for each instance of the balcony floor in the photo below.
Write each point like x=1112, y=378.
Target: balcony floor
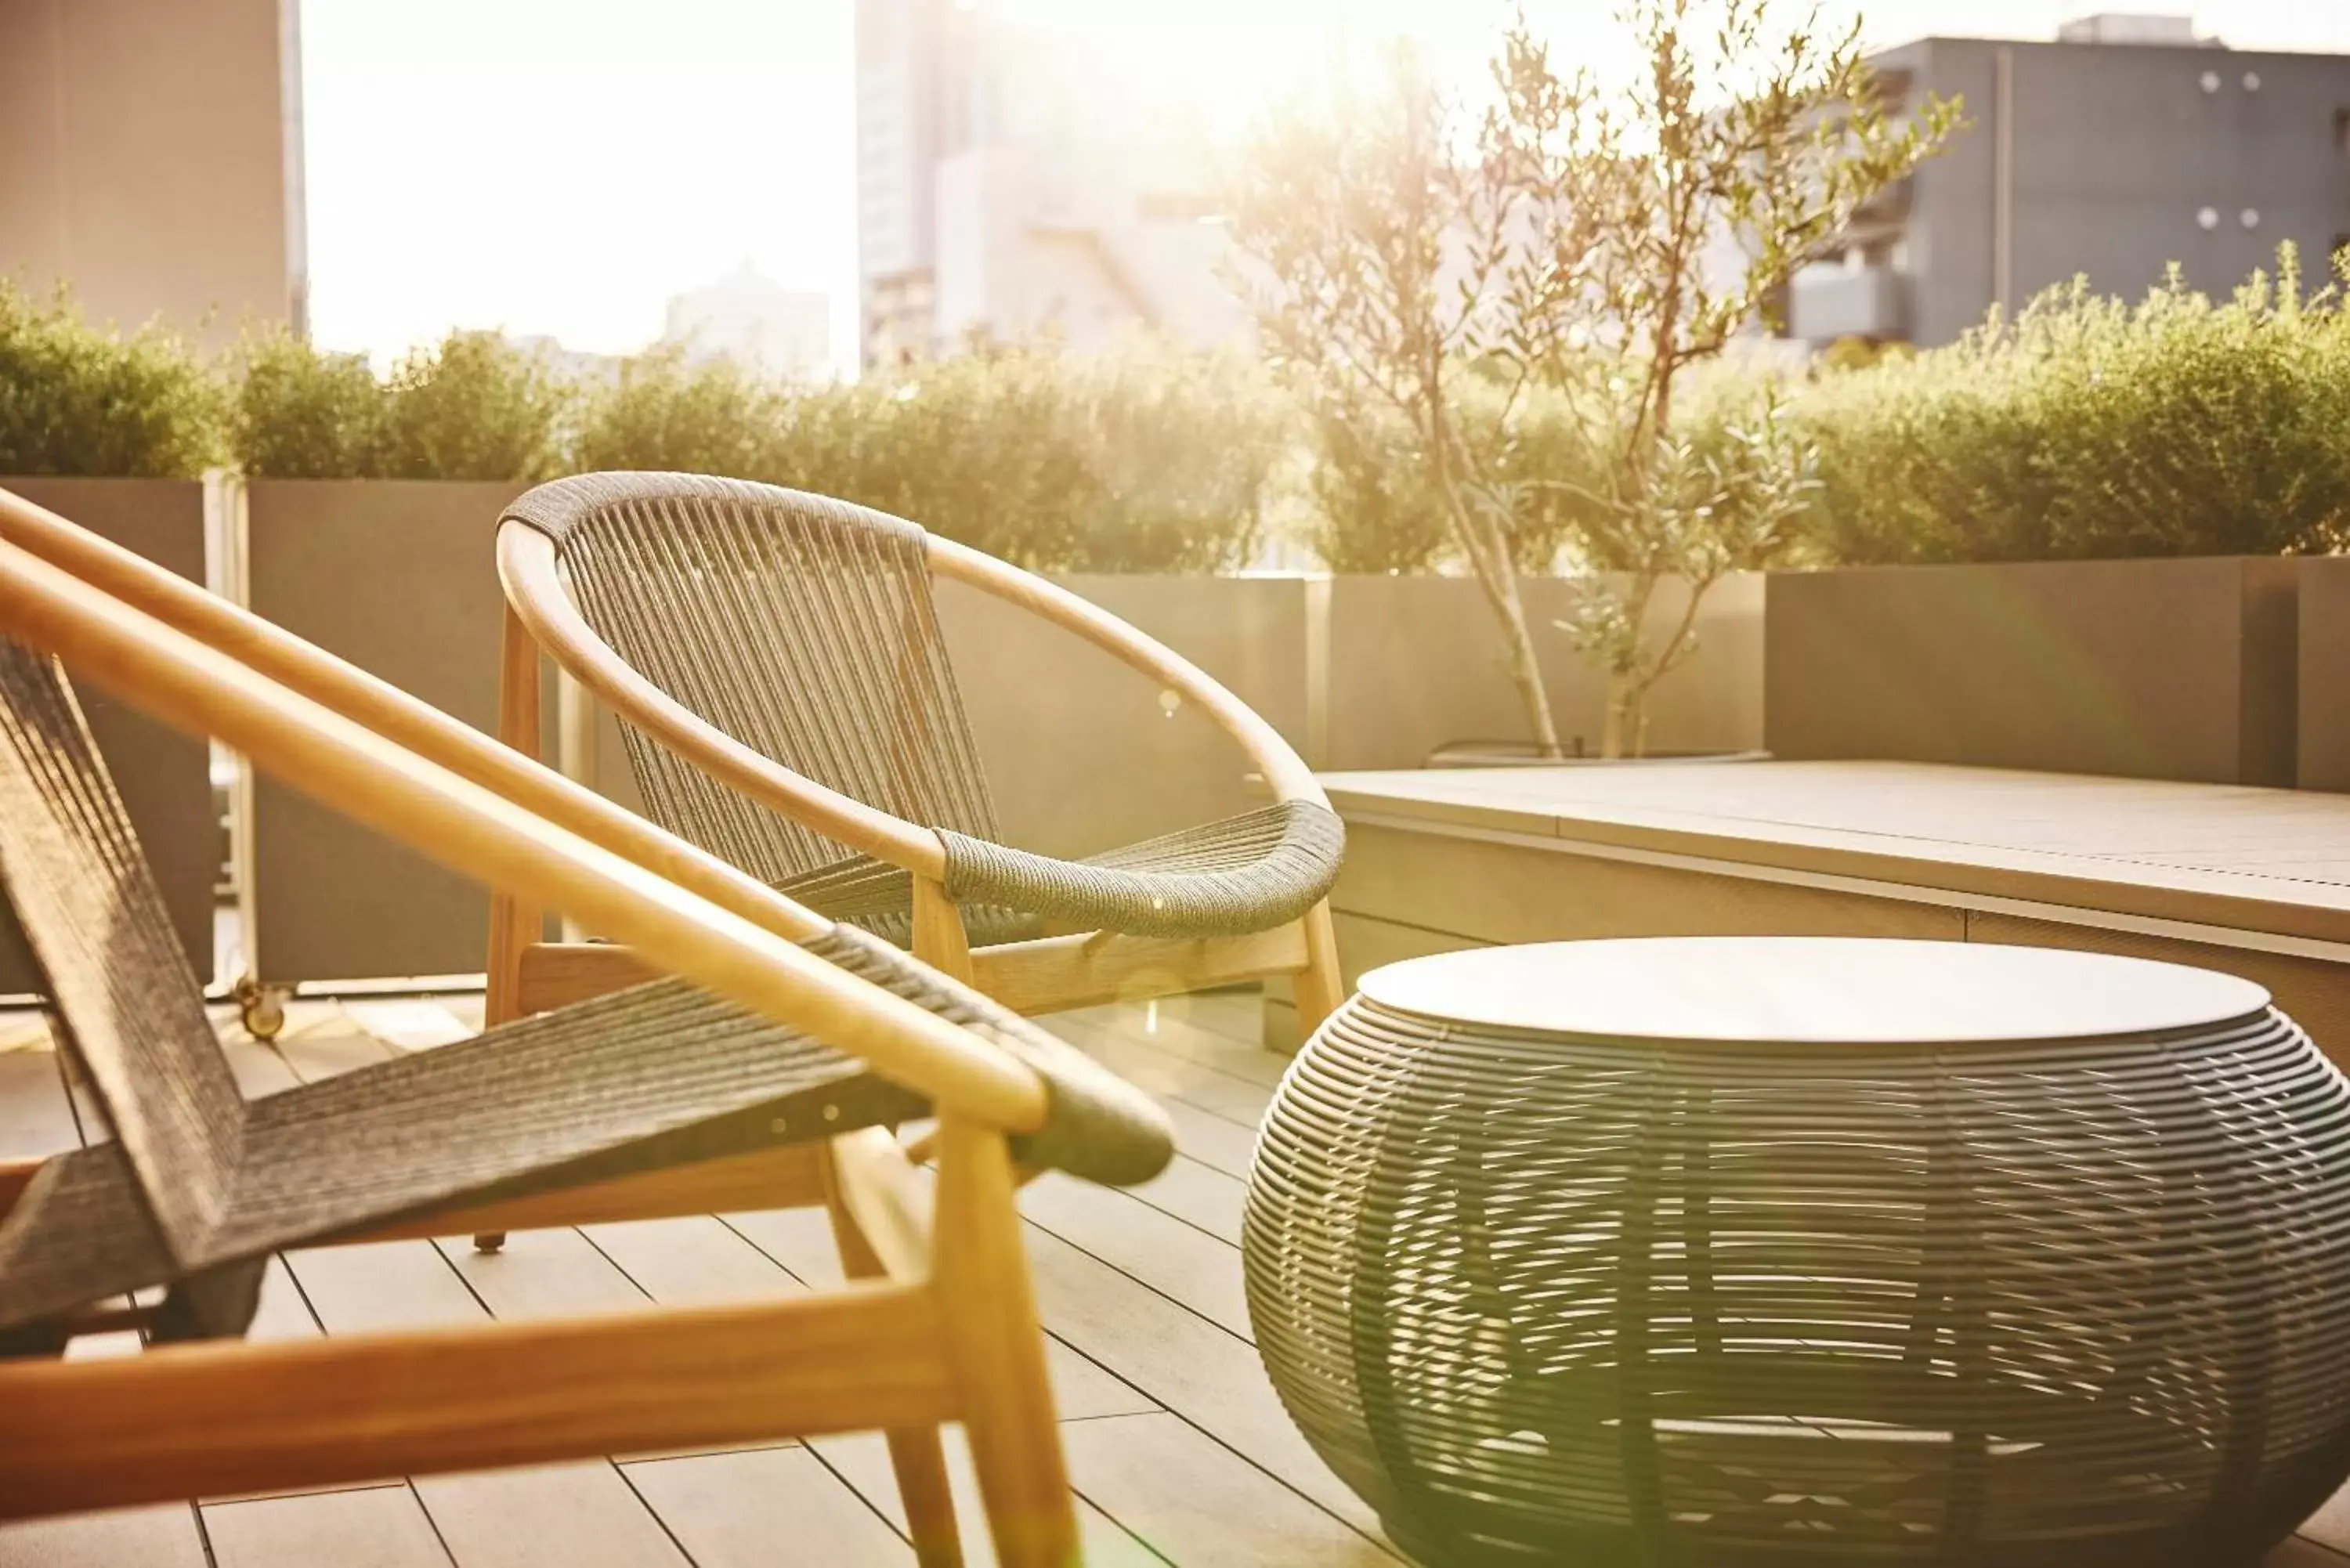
x=1180, y=1451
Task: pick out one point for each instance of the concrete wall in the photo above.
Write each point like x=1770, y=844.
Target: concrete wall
x=398, y=577
x=151, y=156
x=2176, y=670
x=163, y=775
x=1417, y=663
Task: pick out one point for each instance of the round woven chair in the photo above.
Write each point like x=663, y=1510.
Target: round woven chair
x=789, y=706
x=1729, y=1252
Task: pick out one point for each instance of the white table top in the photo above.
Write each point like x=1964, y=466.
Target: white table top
x=1811, y=990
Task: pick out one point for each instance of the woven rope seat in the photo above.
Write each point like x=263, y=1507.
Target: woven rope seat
x=199, y=1185
x=1722, y=1251
x=803, y=629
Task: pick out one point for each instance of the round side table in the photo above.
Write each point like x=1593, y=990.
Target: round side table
x=1730, y=1252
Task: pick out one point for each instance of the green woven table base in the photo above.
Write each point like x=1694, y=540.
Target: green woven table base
x=2078, y=1304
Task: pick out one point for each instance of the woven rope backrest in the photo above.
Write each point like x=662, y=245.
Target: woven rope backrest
x=802, y=627
x=131, y=1009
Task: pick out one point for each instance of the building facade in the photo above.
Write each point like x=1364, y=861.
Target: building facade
x=754, y=321
x=2125, y=146
x=1008, y=189
x=151, y=158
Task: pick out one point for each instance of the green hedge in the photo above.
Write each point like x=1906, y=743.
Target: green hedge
x=473, y=407
x=1151, y=461
x=1143, y=462
x=2177, y=426
x=75, y=398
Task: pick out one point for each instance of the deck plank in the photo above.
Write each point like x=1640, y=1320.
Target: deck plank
x=1196, y=1502
x=1205, y=1373
x=160, y=1537
x=38, y=1119
x=1198, y=1194
x=1170, y=1030
x=693, y=1262
x=2271, y=860
x=862, y=1461
x=580, y=1515
x=767, y=1508
x=409, y=1024
x=2330, y=1525
x=541, y=1275
x=415, y=1285
x=1134, y=1055
x=379, y=1285
x=1237, y=1014
x=283, y=1313
x=320, y=1041
x=1177, y=1260
x=377, y=1527
x=1216, y=1142
x=801, y=1239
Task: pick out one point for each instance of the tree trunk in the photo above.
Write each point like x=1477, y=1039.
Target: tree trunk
x=1489, y=559
x=1488, y=549
x=1625, y=729
x=1526, y=669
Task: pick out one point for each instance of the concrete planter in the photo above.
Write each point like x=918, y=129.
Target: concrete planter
x=2323, y=756
x=1082, y=753
x=2171, y=670
x=1416, y=664
x=398, y=576
x=164, y=776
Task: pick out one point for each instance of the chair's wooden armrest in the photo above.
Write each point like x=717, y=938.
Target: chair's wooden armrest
x=203, y=690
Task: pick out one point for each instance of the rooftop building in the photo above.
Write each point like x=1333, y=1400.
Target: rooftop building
x=2124, y=147
x=1008, y=189
x=749, y=317
x=151, y=158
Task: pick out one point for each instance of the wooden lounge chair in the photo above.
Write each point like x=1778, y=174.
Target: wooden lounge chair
x=789, y=706
x=707, y=1090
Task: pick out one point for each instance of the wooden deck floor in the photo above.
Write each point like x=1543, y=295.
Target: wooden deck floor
x=1180, y=1451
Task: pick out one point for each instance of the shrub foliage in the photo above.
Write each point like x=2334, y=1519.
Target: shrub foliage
x=1145, y=462
x=475, y=406
x=2178, y=426
x=2084, y=427
x=77, y=400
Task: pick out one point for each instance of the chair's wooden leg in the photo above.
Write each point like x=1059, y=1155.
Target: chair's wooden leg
x=998, y=1349
x=1320, y=985
x=940, y=940
x=514, y=922
x=921, y=1464
x=992, y=1336
x=915, y=1453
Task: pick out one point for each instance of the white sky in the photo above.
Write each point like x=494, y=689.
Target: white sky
x=564, y=166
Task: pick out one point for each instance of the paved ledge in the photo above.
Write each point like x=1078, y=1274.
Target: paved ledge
x=2258, y=863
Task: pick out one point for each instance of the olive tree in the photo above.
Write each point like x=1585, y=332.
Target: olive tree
x=1595, y=240
x=1375, y=256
